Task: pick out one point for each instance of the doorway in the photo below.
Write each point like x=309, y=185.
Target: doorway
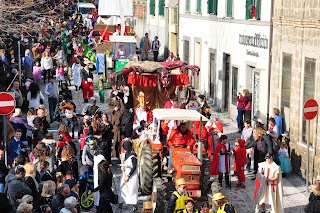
x=226, y=77
x=212, y=78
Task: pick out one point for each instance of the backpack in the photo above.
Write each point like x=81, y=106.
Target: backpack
x=228, y=208
x=261, y=146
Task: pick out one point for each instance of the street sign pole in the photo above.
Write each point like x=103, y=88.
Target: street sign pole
x=5, y=136
x=308, y=146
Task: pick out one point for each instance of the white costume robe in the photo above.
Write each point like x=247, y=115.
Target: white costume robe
x=129, y=190
x=273, y=193
x=96, y=159
x=76, y=74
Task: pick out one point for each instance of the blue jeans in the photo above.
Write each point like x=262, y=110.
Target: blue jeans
x=240, y=118
x=70, y=121
x=52, y=106
x=170, y=157
x=1, y=187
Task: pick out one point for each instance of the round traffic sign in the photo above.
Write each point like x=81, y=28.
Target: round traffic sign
x=7, y=103
x=310, y=109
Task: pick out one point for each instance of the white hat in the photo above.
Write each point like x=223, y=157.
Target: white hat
x=17, y=112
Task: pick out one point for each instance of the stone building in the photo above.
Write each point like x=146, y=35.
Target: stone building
x=295, y=76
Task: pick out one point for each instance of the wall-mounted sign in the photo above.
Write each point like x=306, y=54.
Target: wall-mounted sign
x=258, y=40
x=252, y=53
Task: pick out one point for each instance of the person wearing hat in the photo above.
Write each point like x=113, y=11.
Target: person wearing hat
x=314, y=198
x=190, y=206
x=89, y=151
x=273, y=192
x=178, y=197
x=222, y=204
x=202, y=104
x=91, y=108
x=87, y=85
x=147, y=207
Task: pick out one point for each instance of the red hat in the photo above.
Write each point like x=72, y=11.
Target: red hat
x=241, y=142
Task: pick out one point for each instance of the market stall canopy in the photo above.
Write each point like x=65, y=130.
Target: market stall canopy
x=115, y=8
x=178, y=114
x=123, y=39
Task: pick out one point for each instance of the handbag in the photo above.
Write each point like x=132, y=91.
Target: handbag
x=115, y=197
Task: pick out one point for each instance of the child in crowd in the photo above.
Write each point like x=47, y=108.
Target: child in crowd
x=101, y=89
x=37, y=72
x=284, y=159
x=241, y=160
x=60, y=74
x=59, y=146
x=67, y=72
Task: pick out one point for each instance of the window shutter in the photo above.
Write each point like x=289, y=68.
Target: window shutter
x=152, y=7
x=229, y=8
x=248, y=13
x=187, y=5
x=161, y=7
x=258, y=8
x=215, y=7
x=198, y=6
x=210, y=6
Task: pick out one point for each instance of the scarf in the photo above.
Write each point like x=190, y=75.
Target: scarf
x=127, y=145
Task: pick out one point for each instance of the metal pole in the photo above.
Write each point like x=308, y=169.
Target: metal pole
x=19, y=60
x=308, y=146
x=4, y=120
x=200, y=142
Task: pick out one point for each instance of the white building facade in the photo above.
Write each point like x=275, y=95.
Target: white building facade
x=231, y=46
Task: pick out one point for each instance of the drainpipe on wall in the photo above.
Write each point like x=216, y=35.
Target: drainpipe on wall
x=270, y=59
x=178, y=26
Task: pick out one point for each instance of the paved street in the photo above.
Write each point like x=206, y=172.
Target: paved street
x=295, y=196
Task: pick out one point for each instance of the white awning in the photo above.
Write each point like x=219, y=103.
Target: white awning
x=178, y=114
x=123, y=39
x=115, y=8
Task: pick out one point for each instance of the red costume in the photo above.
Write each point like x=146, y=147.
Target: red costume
x=214, y=168
x=241, y=159
x=215, y=127
x=87, y=85
x=168, y=104
x=143, y=115
x=176, y=138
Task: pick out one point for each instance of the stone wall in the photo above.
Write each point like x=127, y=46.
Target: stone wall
x=296, y=31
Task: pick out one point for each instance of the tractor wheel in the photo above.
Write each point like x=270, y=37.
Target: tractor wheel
x=149, y=169
x=159, y=196
x=205, y=176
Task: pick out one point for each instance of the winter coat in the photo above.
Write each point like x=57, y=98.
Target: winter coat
x=15, y=184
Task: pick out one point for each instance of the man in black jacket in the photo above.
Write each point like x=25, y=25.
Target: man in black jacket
x=57, y=202
x=3, y=170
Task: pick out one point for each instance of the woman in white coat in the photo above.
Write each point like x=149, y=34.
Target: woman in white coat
x=76, y=67
x=130, y=182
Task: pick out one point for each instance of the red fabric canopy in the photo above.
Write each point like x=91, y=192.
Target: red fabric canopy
x=151, y=80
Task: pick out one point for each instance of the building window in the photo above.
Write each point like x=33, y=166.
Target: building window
x=161, y=7
x=175, y=15
x=229, y=8
x=234, y=85
x=308, y=93
x=187, y=5
x=253, y=9
x=213, y=7
x=286, y=90
x=152, y=7
x=198, y=8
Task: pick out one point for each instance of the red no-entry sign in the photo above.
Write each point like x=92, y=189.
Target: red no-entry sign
x=7, y=103
x=310, y=109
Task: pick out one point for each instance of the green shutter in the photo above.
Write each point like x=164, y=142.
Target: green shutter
x=198, y=6
x=210, y=6
x=161, y=7
x=229, y=8
x=187, y=5
x=215, y=7
x=175, y=18
x=152, y=7
x=258, y=8
x=248, y=13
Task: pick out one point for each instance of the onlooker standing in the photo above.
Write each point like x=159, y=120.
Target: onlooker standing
x=28, y=64
x=314, y=198
x=70, y=205
x=41, y=126
x=15, y=183
x=155, y=48
x=246, y=134
x=242, y=100
x=17, y=94
x=18, y=122
x=30, y=179
x=57, y=202
x=15, y=146
x=52, y=91
x=145, y=47
x=3, y=170
x=278, y=120
x=34, y=96
x=46, y=65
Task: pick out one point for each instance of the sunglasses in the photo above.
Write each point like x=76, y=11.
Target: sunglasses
x=184, y=187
